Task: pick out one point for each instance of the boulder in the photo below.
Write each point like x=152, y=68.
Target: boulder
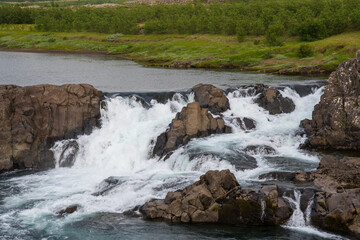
x=245, y=123
x=335, y=120
x=272, y=100
x=68, y=153
x=34, y=117
x=211, y=97
x=337, y=203
x=218, y=197
x=68, y=210
x=192, y=122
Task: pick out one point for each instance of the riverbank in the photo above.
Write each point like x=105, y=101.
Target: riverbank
x=191, y=51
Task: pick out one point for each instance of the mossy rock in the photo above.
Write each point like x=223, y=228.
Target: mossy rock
x=240, y=211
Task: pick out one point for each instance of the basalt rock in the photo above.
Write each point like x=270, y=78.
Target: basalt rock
x=245, y=123
x=272, y=100
x=34, y=117
x=68, y=210
x=211, y=97
x=218, y=197
x=335, y=120
x=192, y=122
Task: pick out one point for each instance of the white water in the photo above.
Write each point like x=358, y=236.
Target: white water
x=301, y=222
x=122, y=146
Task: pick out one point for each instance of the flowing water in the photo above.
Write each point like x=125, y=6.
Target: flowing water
x=121, y=148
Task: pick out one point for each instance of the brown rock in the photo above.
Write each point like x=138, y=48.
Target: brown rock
x=211, y=97
x=336, y=119
x=192, y=122
x=34, y=117
x=272, y=100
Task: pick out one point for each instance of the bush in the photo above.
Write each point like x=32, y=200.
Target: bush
x=312, y=30
x=240, y=33
x=274, y=34
x=305, y=51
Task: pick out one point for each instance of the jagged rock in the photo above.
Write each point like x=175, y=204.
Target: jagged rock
x=272, y=100
x=218, y=197
x=211, y=97
x=336, y=119
x=260, y=149
x=192, y=122
x=68, y=154
x=245, y=123
x=337, y=204
x=33, y=118
x=68, y=210
x=107, y=184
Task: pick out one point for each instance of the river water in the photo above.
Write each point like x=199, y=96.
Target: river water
x=120, y=147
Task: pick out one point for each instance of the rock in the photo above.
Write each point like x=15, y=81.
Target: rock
x=192, y=122
x=107, y=184
x=34, y=117
x=259, y=149
x=69, y=210
x=218, y=197
x=211, y=97
x=272, y=100
x=68, y=154
x=245, y=123
x=337, y=204
x=335, y=120
x=281, y=176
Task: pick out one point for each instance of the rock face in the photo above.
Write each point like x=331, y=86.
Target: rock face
x=33, y=118
x=211, y=97
x=192, y=122
x=336, y=119
x=218, y=197
x=337, y=204
x=272, y=100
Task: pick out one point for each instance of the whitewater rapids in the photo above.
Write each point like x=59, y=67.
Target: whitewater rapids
x=122, y=148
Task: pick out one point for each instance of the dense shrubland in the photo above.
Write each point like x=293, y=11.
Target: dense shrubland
x=309, y=19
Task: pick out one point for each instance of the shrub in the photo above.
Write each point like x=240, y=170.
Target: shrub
x=305, y=51
x=240, y=33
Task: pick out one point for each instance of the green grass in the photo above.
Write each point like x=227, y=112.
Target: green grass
x=202, y=51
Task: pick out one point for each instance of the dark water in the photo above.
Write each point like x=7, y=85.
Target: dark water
x=29, y=200
x=113, y=75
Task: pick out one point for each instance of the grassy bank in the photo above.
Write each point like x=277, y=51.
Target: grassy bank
x=197, y=51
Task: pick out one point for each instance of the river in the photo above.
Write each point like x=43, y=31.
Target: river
x=29, y=200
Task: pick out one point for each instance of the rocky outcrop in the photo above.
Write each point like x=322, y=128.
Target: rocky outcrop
x=337, y=204
x=211, y=97
x=34, y=117
x=272, y=100
x=335, y=120
x=218, y=197
x=192, y=122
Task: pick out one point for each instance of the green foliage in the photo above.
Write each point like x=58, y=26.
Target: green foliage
x=305, y=51
x=240, y=34
x=274, y=19
x=274, y=34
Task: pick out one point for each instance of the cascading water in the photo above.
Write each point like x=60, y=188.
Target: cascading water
x=122, y=147
x=300, y=221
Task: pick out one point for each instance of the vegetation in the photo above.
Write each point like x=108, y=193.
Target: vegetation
x=275, y=19
x=198, y=51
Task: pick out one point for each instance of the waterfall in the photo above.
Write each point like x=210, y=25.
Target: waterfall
x=301, y=222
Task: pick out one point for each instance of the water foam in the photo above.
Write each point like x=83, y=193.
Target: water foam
x=122, y=148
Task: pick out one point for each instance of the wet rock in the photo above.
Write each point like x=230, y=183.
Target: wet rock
x=260, y=149
x=192, y=122
x=281, y=176
x=211, y=97
x=218, y=197
x=68, y=154
x=335, y=120
x=272, y=100
x=245, y=123
x=133, y=212
x=107, y=184
x=69, y=210
x=337, y=204
x=34, y=117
